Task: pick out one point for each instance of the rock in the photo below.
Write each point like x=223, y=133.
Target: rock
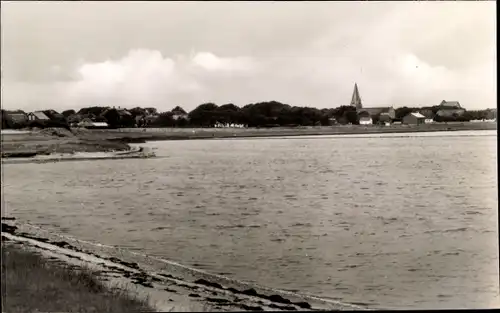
x=8, y=228
x=303, y=305
x=278, y=299
x=251, y=308
x=217, y=300
x=208, y=283
x=250, y=292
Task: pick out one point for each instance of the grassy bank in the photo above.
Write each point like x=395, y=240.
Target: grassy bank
x=31, y=283
x=139, y=135
x=80, y=140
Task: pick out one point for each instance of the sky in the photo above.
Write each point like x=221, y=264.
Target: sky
x=70, y=55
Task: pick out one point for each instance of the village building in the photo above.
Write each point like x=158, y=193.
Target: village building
x=89, y=124
x=145, y=120
x=74, y=119
x=414, y=118
x=37, y=116
x=54, y=115
x=367, y=116
x=365, y=120
x=450, y=109
x=332, y=121
x=429, y=115
x=178, y=116
x=179, y=113
x=381, y=114
x=356, y=99
x=228, y=125
x=17, y=117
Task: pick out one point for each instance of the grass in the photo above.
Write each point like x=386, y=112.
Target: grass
x=31, y=283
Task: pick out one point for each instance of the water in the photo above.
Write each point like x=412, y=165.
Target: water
x=390, y=221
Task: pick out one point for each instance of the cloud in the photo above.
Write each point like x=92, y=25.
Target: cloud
x=210, y=62
x=145, y=77
x=399, y=53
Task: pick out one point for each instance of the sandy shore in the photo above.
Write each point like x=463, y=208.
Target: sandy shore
x=51, y=141
x=173, y=288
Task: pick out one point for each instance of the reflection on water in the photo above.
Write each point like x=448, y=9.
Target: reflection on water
x=392, y=222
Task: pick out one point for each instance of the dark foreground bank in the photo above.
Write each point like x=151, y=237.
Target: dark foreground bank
x=32, y=284
x=165, y=285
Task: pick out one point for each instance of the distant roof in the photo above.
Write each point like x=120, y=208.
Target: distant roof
x=88, y=122
x=178, y=110
x=451, y=104
x=449, y=111
x=120, y=111
x=100, y=124
x=123, y=112
x=17, y=117
x=427, y=113
x=179, y=116
x=40, y=115
x=375, y=111
x=417, y=115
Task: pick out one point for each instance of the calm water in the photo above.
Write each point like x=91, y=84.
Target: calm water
x=393, y=221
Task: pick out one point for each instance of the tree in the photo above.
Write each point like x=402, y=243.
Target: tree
x=137, y=111
x=204, y=115
x=68, y=113
x=151, y=111
x=178, y=110
x=112, y=117
x=95, y=111
x=6, y=122
x=402, y=112
x=351, y=117
x=228, y=113
x=164, y=120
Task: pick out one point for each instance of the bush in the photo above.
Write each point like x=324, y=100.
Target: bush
x=48, y=124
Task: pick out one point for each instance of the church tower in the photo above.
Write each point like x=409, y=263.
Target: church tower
x=356, y=99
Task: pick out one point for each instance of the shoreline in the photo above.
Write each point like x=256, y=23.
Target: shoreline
x=52, y=141
x=175, y=286
x=139, y=135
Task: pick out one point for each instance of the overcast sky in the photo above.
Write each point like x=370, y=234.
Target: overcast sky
x=164, y=54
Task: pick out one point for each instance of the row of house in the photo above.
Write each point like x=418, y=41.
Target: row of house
x=229, y=125
x=387, y=115
x=20, y=117
x=88, y=120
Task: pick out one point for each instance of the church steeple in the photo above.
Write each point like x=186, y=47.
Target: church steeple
x=356, y=99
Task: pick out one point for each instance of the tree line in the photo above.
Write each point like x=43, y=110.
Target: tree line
x=262, y=114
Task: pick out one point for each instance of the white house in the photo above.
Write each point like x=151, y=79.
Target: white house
x=365, y=120
x=228, y=125
x=414, y=118
x=37, y=116
x=88, y=123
